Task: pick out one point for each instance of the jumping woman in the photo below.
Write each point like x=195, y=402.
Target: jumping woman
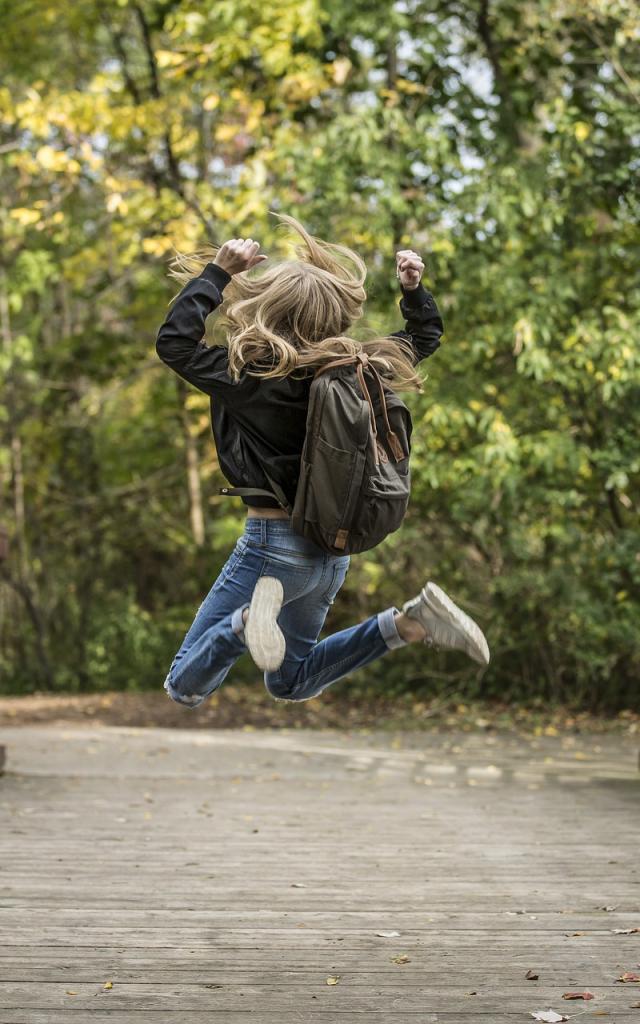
x=281, y=326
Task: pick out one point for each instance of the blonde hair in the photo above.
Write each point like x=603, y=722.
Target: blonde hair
x=294, y=314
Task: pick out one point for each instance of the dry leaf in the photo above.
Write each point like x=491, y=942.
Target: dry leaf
x=71, y=992
x=549, y=1016
x=635, y=1006
x=388, y=935
x=608, y=909
x=531, y=975
x=625, y=931
x=578, y=995
x=333, y=979
x=108, y=984
x=298, y=885
x=629, y=976
x=402, y=958
x=571, y=934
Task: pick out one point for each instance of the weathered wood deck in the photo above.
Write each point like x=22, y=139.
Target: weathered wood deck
x=159, y=876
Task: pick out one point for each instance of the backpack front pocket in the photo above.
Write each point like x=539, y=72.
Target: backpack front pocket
x=329, y=485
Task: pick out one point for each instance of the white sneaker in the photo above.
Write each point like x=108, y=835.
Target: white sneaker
x=447, y=626
x=262, y=635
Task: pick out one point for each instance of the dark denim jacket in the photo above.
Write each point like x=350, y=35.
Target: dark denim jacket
x=259, y=422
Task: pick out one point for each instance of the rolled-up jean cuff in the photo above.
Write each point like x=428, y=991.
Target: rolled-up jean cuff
x=388, y=630
x=237, y=624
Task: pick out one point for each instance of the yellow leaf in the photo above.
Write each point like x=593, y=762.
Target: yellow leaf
x=581, y=130
x=167, y=58
x=333, y=979
x=341, y=68
x=226, y=132
x=156, y=246
x=25, y=216
x=443, y=245
x=108, y=984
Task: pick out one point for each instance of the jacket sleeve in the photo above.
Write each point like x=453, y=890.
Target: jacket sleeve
x=424, y=326
x=179, y=342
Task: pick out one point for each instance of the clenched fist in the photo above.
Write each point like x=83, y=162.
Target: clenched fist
x=409, y=268
x=239, y=254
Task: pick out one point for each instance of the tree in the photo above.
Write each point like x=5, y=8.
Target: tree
x=496, y=137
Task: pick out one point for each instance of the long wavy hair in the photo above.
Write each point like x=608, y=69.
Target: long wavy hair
x=293, y=315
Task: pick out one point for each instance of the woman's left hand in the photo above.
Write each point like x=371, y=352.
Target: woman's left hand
x=409, y=268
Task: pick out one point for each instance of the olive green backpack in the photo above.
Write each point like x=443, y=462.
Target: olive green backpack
x=354, y=483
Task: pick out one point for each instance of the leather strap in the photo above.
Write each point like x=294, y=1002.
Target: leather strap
x=360, y=358
x=362, y=361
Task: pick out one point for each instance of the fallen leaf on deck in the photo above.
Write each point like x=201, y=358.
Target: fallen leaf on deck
x=549, y=1016
x=70, y=992
x=578, y=995
x=629, y=976
x=401, y=959
x=333, y=979
x=625, y=931
x=608, y=909
x=298, y=885
x=532, y=975
x=388, y=935
x=108, y=984
x=635, y=1006
x=570, y=935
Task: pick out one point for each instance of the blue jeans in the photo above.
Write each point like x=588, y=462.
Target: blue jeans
x=311, y=579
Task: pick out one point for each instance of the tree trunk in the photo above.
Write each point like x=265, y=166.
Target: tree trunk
x=14, y=439
x=194, y=484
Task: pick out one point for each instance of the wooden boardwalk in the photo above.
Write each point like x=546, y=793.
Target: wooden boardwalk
x=164, y=876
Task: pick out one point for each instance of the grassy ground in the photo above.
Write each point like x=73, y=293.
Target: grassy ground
x=238, y=706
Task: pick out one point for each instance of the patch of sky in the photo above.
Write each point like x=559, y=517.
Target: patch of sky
x=363, y=46
x=378, y=76
x=454, y=186
x=223, y=175
x=476, y=74
x=363, y=99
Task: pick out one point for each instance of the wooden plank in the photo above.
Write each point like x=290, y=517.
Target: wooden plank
x=290, y=1016
x=308, y=995
x=362, y=971
x=264, y=922
x=548, y=944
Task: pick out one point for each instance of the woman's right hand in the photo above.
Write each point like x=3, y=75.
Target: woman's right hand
x=239, y=254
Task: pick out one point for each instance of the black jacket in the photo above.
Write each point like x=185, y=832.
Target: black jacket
x=259, y=422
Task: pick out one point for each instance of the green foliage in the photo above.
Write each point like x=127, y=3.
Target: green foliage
x=498, y=139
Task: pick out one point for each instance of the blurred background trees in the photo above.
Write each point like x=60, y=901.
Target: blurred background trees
x=498, y=138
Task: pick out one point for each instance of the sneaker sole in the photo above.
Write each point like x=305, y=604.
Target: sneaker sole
x=478, y=648
x=263, y=637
